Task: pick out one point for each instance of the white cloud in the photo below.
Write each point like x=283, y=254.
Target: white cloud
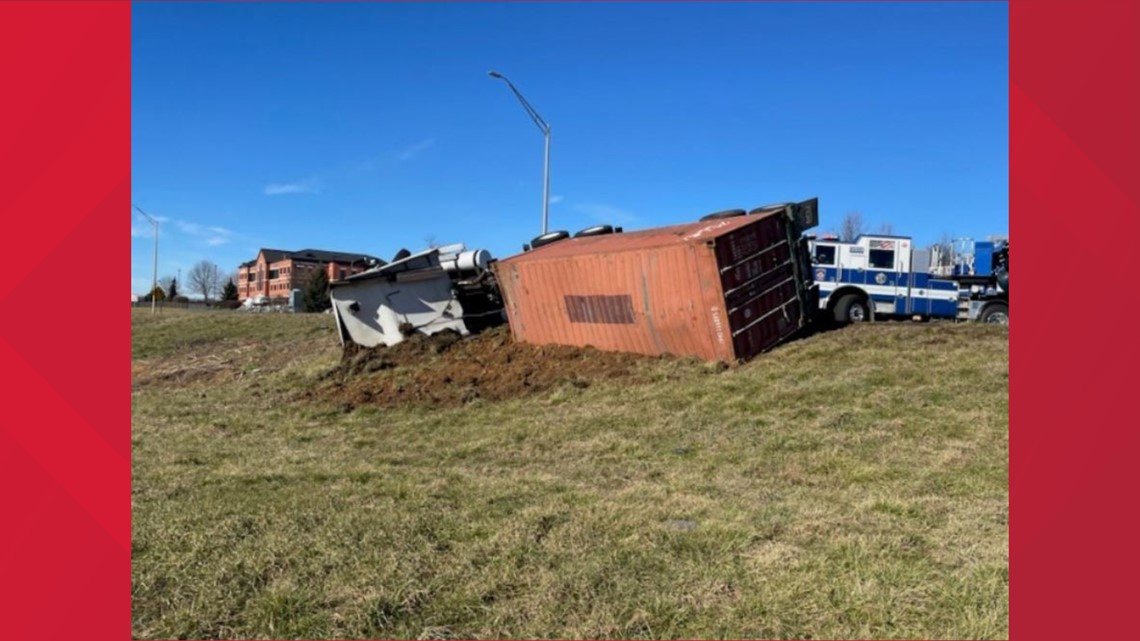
x=554, y=200
x=306, y=186
x=192, y=229
x=607, y=214
x=413, y=151
x=213, y=236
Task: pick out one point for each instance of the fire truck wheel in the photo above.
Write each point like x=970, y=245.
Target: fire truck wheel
x=996, y=313
x=852, y=309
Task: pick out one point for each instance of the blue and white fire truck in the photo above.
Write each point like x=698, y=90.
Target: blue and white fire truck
x=883, y=276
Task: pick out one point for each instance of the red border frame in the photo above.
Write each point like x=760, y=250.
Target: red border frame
x=65, y=439
x=1074, y=100
x=65, y=131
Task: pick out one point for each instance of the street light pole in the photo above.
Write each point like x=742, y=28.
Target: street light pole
x=154, y=266
x=546, y=179
x=544, y=127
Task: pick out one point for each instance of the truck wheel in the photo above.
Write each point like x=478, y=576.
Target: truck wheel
x=728, y=213
x=996, y=313
x=852, y=309
x=768, y=208
x=596, y=230
x=546, y=239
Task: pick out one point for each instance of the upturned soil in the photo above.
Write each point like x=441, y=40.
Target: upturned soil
x=449, y=370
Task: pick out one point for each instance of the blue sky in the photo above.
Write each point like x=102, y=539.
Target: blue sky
x=370, y=127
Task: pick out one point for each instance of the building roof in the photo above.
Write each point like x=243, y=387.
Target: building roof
x=315, y=255
x=329, y=256
x=274, y=255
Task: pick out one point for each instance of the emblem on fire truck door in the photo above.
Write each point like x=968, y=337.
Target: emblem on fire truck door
x=880, y=278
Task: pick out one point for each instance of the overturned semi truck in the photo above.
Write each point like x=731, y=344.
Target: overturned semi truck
x=444, y=288
x=727, y=287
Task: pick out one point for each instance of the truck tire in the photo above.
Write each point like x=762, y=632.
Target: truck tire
x=728, y=213
x=768, y=208
x=596, y=230
x=548, y=238
x=852, y=308
x=996, y=313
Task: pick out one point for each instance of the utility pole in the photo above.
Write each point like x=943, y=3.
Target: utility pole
x=154, y=266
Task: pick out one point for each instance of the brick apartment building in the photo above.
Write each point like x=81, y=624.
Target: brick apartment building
x=276, y=272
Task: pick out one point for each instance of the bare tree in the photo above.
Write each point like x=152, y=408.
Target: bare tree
x=887, y=229
x=942, y=252
x=166, y=283
x=205, y=278
x=851, y=227
x=430, y=241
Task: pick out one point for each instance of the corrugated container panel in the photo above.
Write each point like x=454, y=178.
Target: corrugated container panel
x=719, y=290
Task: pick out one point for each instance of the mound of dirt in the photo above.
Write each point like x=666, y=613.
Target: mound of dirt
x=447, y=370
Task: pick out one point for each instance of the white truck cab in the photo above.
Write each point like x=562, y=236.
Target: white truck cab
x=879, y=276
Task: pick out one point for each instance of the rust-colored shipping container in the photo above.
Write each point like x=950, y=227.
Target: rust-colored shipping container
x=723, y=289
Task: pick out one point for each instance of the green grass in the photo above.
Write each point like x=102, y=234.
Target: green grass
x=849, y=485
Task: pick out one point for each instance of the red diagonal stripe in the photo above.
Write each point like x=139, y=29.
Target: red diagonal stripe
x=76, y=457
x=50, y=170
x=1073, y=132
x=1080, y=451
x=66, y=577
x=48, y=328
x=1084, y=76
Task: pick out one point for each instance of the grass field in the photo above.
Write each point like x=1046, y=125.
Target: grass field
x=852, y=484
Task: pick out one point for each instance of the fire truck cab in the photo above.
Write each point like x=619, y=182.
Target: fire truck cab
x=876, y=276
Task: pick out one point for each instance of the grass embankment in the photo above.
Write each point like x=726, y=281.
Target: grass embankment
x=849, y=485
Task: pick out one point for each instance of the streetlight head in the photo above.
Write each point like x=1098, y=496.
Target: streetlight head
x=494, y=74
